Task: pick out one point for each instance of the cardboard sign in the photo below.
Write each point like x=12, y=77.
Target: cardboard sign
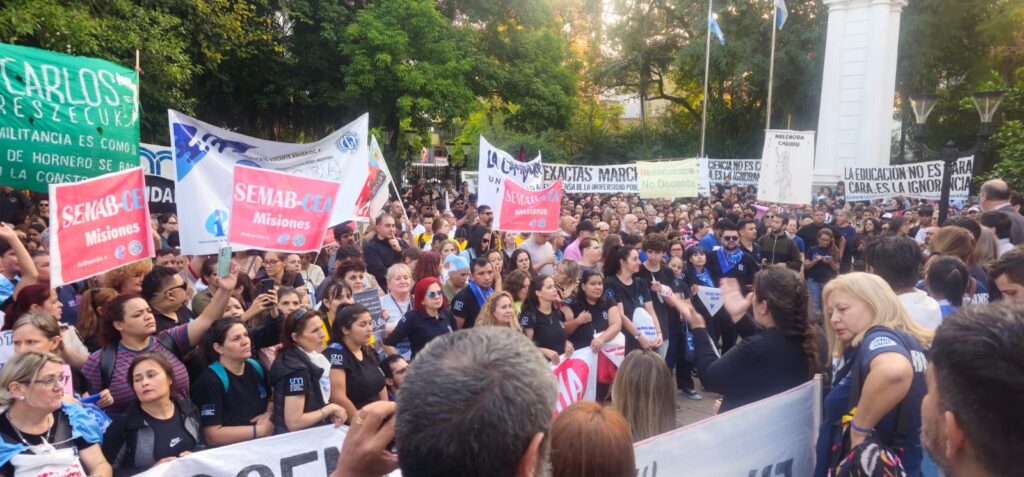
x=98, y=225
x=272, y=210
x=370, y=298
x=524, y=210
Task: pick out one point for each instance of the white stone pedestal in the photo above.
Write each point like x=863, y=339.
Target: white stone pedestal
x=858, y=87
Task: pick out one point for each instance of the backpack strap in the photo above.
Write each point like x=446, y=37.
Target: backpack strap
x=256, y=365
x=167, y=341
x=107, y=357
x=222, y=374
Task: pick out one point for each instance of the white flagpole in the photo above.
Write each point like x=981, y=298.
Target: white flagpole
x=771, y=67
x=707, y=67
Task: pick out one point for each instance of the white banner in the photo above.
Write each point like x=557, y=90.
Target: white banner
x=495, y=165
x=593, y=179
x=922, y=180
x=711, y=297
x=205, y=157
x=740, y=172
x=380, y=187
x=309, y=453
x=158, y=164
x=577, y=378
x=772, y=437
x=787, y=167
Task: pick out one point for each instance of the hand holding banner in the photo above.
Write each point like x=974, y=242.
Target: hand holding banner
x=272, y=210
x=525, y=210
x=577, y=378
x=496, y=166
x=98, y=225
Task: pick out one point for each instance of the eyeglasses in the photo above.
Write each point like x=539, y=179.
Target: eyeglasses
x=53, y=381
x=272, y=261
x=44, y=204
x=183, y=286
x=434, y=294
x=731, y=239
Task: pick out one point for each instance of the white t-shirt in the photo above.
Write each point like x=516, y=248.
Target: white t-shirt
x=540, y=253
x=922, y=308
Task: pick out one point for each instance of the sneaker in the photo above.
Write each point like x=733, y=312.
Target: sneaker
x=690, y=393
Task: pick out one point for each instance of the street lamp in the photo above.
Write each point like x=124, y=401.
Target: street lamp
x=987, y=104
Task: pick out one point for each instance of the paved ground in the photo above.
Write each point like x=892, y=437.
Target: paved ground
x=689, y=411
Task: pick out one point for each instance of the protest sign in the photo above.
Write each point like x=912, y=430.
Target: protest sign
x=921, y=180
x=274, y=210
x=370, y=298
x=772, y=437
x=711, y=297
x=667, y=179
x=97, y=225
x=739, y=172
x=6, y=347
x=205, y=157
x=158, y=164
x=472, y=180
x=64, y=118
x=644, y=323
x=495, y=166
x=593, y=179
x=525, y=210
x=576, y=377
x=377, y=188
x=787, y=166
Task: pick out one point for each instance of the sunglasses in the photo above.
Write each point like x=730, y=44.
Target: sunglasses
x=435, y=294
x=183, y=286
x=730, y=239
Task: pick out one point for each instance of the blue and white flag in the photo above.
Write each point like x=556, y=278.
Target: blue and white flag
x=713, y=25
x=782, y=13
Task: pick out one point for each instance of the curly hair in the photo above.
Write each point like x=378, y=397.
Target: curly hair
x=117, y=277
x=787, y=299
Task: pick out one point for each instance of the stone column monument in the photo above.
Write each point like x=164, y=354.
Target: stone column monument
x=858, y=87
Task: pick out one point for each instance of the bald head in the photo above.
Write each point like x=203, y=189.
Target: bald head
x=994, y=193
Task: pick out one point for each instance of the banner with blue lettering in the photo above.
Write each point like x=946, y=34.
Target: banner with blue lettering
x=205, y=157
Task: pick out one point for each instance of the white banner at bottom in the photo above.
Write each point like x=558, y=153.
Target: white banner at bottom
x=309, y=453
x=772, y=437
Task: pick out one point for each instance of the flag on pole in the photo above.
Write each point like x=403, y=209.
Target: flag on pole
x=782, y=13
x=713, y=25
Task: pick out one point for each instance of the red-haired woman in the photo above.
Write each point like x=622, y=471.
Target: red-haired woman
x=428, y=318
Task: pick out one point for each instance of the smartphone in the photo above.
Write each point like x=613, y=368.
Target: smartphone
x=265, y=286
x=224, y=260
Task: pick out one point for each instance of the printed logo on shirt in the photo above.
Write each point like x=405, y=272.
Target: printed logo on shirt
x=325, y=385
x=175, y=441
x=881, y=342
x=208, y=410
x=457, y=305
x=919, y=360
x=337, y=359
x=524, y=321
x=610, y=293
x=740, y=266
x=295, y=385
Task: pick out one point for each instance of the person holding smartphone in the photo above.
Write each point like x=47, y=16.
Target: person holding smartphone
x=821, y=265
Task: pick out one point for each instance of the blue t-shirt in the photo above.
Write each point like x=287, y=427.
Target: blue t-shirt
x=876, y=341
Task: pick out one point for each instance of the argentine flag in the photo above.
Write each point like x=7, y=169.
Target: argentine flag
x=780, y=5
x=713, y=25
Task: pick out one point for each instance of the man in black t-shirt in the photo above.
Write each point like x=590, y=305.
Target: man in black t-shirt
x=466, y=304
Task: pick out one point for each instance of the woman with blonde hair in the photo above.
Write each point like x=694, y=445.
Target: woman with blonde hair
x=643, y=393
x=127, y=280
x=498, y=310
x=40, y=433
x=879, y=384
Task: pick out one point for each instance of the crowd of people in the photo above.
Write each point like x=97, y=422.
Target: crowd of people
x=161, y=358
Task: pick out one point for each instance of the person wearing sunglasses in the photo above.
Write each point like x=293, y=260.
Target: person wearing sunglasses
x=428, y=318
x=730, y=261
x=40, y=434
x=166, y=291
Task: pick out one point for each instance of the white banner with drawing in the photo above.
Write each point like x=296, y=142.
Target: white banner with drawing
x=787, y=167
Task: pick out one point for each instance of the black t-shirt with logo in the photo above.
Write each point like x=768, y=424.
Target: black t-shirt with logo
x=246, y=398
x=668, y=317
x=170, y=436
x=548, y=328
x=466, y=306
x=363, y=378
x=584, y=333
x=632, y=297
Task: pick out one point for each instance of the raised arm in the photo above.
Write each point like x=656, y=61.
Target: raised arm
x=215, y=310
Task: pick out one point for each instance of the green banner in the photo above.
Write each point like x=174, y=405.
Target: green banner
x=64, y=118
x=667, y=179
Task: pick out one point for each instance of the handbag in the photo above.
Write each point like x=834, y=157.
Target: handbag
x=870, y=458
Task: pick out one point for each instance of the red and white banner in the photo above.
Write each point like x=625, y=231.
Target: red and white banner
x=524, y=210
x=272, y=210
x=577, y=378
x=97, y=225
